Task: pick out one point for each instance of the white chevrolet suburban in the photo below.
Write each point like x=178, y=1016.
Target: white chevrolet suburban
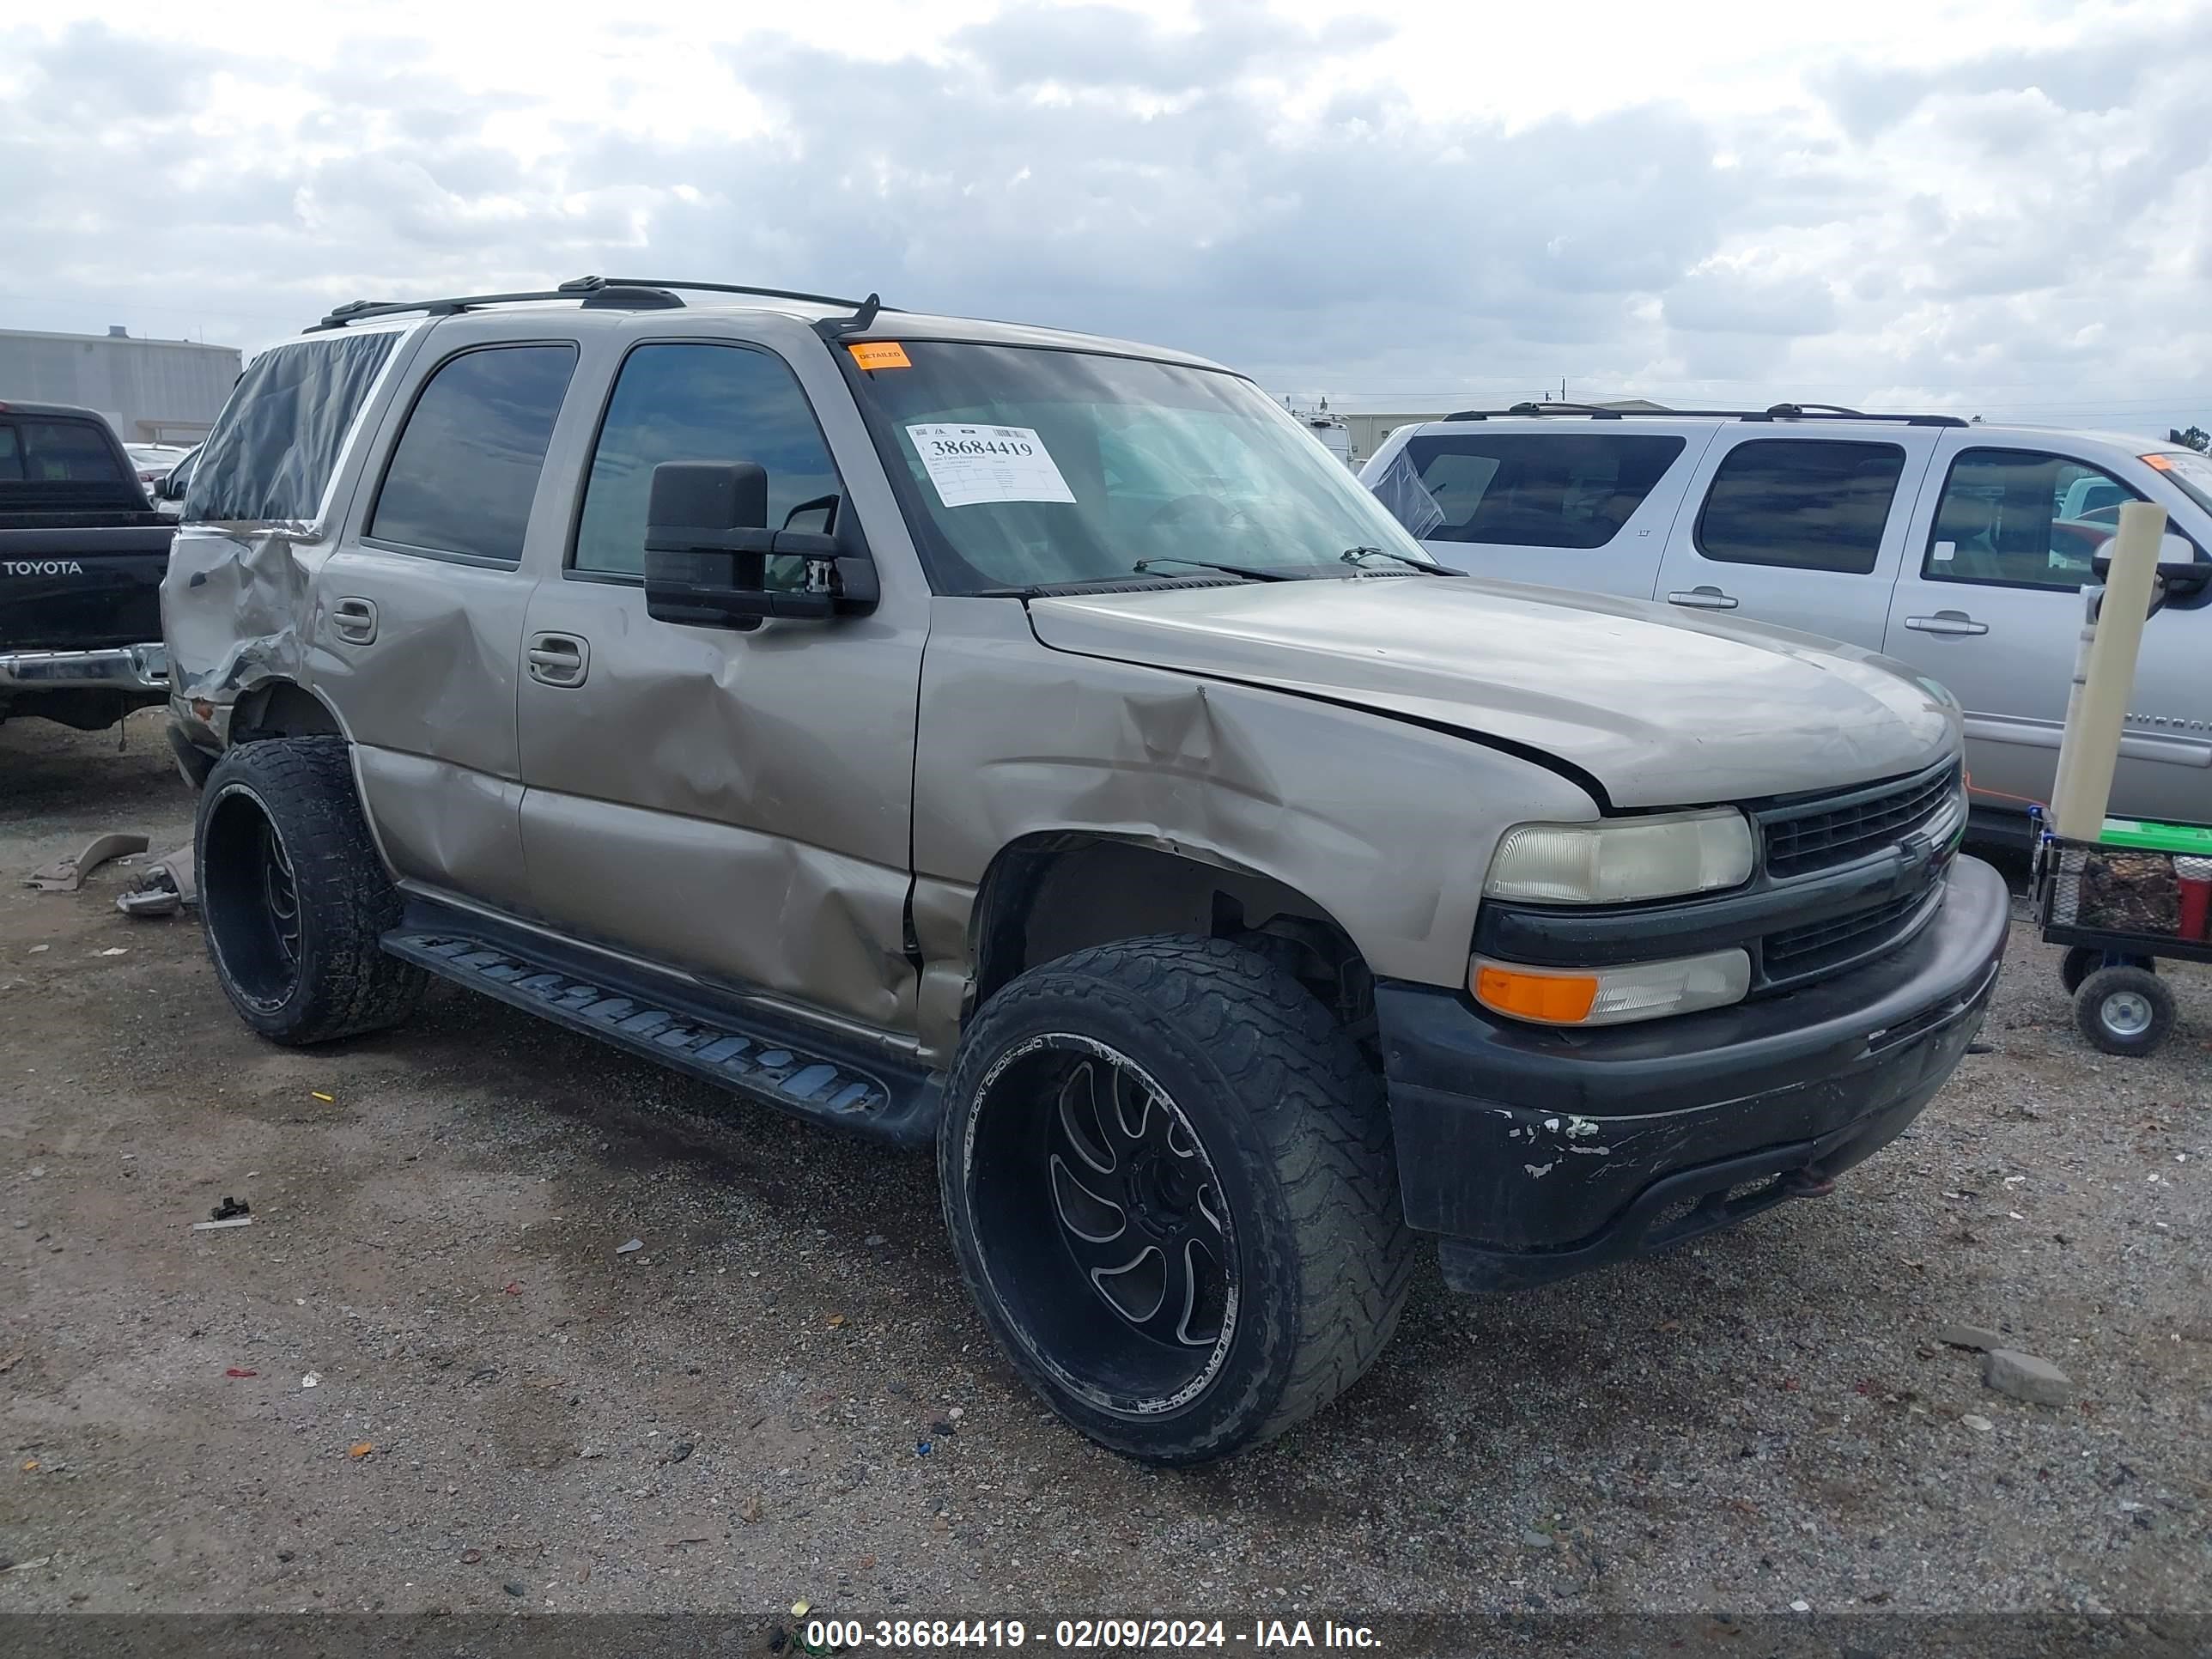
x=1959, y=548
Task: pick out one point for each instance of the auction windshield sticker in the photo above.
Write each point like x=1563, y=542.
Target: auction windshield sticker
x=973, y=464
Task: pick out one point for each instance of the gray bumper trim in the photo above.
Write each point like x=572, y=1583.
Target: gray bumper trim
x=126, y=668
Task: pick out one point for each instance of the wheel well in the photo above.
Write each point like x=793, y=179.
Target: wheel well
x=281, y=709
x=1047, y=896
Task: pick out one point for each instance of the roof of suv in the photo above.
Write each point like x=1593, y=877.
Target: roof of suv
x=1808, y=418
x=867, y=319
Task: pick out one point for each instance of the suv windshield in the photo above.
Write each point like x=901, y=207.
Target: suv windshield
x=1039, y=467
x=2190, y=470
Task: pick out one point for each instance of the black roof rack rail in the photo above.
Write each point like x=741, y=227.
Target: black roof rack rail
x=1773, y=412
x=864, y=311
x=609, y=293
x=1595, y=411
x=626, y=296
x=586, y=284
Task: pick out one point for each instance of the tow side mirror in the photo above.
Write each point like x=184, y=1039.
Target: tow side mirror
x=707, y=547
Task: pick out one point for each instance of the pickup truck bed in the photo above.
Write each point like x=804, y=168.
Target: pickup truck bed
x=82, y=557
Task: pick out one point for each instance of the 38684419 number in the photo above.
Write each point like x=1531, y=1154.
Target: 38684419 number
x=826, y=1635
x=980, y=447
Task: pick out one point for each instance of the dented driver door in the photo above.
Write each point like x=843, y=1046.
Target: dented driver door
x=735, y=804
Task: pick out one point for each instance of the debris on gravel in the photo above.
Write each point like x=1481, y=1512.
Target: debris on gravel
x=2024, y=1377
x=1970, y=1336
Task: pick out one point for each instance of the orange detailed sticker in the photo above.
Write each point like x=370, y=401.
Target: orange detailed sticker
x=879, y=354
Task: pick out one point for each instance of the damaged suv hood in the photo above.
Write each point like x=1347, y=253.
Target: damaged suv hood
x=1661, y=710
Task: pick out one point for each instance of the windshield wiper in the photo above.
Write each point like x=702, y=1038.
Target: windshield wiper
x=1361, y=555
x=1077, y=584
x=1248, y=570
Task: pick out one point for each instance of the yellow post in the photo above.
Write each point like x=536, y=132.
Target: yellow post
x=2104, y=678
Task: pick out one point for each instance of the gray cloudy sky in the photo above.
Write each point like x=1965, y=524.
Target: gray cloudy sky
x=1999, y=208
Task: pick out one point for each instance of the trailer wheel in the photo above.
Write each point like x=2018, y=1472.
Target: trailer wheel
x=2084, y=960
x=2124, y=1011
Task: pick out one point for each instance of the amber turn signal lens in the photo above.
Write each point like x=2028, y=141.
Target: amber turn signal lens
x=1556, y=999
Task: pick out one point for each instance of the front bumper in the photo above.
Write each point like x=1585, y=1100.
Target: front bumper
x=1538, y=1152
x=142, y=669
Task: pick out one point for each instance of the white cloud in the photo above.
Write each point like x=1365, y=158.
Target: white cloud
x=1988, y=207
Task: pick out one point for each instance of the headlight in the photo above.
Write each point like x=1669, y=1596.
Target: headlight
x=1610, y=996
x=1614, y=861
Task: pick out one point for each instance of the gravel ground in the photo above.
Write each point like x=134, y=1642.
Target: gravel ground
x=507, y=1412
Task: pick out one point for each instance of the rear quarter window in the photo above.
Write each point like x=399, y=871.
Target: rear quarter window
x=277, y=445
x=1568, y=489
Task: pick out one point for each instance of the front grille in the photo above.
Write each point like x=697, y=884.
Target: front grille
x=1799, y=954
x=1833, y=830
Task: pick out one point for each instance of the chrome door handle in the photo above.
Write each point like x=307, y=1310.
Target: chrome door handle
x=1704, y=597
x=353, y=620
x=558, y=658
x=1947, y=621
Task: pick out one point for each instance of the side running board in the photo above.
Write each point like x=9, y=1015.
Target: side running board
x=809, y=1074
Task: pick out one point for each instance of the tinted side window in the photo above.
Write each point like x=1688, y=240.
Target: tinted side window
x=697, y=403
x=65, y=452
x=276, y=445
x=1529, y=489
x=462, y=475
x=1804, y=503
x=2016, y=518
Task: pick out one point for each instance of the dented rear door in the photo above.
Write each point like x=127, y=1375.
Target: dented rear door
x=417, y=613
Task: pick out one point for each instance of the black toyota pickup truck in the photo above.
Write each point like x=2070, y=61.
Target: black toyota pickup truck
x=82, y=555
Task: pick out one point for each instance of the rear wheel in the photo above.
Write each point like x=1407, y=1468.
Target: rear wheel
x=2124, y=1011
x=294, y=896
x=1168, y=1175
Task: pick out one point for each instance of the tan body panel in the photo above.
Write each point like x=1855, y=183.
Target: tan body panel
x=733, y=805
x=738, y=803
x=1661, y=710
x=430, y=706
x=1387, y=827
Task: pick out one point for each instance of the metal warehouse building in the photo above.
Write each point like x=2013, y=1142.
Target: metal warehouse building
x=151, y=391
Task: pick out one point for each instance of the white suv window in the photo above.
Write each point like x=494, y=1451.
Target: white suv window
x=1802, y=503
x=2020, y=518
x=1569, y=489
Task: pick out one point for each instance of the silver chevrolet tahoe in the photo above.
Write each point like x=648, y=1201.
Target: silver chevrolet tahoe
x=1036, y=745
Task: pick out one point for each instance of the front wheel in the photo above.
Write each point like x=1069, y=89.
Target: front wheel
x=1169, y=1179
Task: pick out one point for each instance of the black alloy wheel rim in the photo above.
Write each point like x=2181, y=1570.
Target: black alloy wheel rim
x=250, y=899
x=1103, y=1226
x=280, y=891
x=1138, y=1206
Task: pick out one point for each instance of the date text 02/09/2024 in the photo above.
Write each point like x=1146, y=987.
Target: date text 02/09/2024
x=831, y=1636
